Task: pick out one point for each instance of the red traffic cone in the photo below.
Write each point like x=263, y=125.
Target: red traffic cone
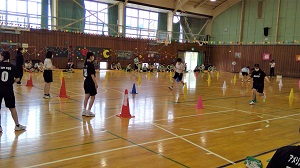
x=29, y=81
x=199, y=104
x=63, y=92
x=125, y=107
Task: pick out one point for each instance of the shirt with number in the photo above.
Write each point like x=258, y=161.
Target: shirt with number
x=90, y=68
x=286, y=157
x=8, y=74
x=179, y=67
x=272, y=65
x=48, y=64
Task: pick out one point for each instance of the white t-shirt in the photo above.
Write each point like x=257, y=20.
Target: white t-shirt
x=272, y=65
x=48, y=64
x=179, y=67
x=245, y=69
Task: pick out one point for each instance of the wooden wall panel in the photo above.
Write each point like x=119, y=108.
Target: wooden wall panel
x=284, y=56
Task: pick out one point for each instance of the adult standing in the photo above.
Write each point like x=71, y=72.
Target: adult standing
x=20, y=63
x=272, y=68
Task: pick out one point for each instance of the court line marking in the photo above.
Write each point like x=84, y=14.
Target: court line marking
x=180, y=137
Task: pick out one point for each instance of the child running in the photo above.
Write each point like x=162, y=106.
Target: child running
x=179, y=68
x=258, y=83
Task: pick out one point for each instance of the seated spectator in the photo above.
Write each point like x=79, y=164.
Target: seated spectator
x=118, y=66
x=70, y=65
x=144, y=68
x=202, y=68
x=197, y=69
x=287, y=156
x=128, y=68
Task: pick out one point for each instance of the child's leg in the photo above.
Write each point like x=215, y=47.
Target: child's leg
x=91, y=103
x=253, y=94
x=86, y=98
x=14, y=115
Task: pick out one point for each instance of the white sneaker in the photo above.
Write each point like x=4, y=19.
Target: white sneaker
x=89, y=114
x=252, y=102
x=0, y=129
x=83, y=112
x=47, y=97
x=20, y=127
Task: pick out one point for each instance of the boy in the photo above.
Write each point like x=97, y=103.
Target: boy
x=179, y=68
x=258, y=83
x=9, y=75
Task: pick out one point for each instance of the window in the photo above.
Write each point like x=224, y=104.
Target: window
x=96, y=17
x=141, y=23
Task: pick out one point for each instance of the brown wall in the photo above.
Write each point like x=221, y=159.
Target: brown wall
x=284, y=56
x=38, y=40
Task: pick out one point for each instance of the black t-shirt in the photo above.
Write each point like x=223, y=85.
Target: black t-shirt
x=90, y=68
x=286, y=157
x=8, y=73
x=19, y=60
x=258, y=76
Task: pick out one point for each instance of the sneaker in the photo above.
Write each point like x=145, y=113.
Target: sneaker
x=83, y=112
x=89, y=114
x=171, y=87
x=20, y=127
x=252, y=102
x=46, y=97
x=0, y=129
x=265, y=96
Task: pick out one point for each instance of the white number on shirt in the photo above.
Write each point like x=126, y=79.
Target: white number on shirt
x=4, y=76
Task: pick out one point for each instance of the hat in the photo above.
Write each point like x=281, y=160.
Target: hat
x=256, y=65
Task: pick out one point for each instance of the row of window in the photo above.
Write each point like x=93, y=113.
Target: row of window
x=139, y=23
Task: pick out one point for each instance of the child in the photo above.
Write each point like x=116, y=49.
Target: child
x=245, y=72
x=179, y=68
x=48, y=76
x=128, y=68
x=90, y=84
x=9, y=75
x=258, y=83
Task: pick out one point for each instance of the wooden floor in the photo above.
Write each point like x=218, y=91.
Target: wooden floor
x=167, y=131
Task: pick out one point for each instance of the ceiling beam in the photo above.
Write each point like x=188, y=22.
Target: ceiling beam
x=179, y=4
x=200, y=3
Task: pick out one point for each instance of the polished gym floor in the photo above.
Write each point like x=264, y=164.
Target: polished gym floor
x=199, y=125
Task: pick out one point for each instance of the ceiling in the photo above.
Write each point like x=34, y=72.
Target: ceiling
x=206, y=3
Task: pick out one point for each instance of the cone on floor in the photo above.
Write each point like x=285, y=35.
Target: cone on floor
x=133, y=91
x=63, y=91
x=29, y=81
x=291, y=96
x=280, y=83
x=224, y=85
x=125, y=112
x=199, y=104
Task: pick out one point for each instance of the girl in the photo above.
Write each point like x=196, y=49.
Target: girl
x=48, y=67
x=90, y=84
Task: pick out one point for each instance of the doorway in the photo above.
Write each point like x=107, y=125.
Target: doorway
x=193, y=59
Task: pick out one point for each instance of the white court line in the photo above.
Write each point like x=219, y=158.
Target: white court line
x=145, y=143
x=194, y=115
x=248, y=112
x=239, y=132
x=195, y=144
x=62, y=130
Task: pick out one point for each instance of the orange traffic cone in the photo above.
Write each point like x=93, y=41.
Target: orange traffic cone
x=29, y=81
x=199, y=104
x=125, y=107
x=63, y=92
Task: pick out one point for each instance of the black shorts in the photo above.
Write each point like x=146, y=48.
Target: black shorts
x=89, y=87
x=178, y=75
x=48, y=78
x=245, y=73
x=135, y=67
x=258, y=87
x=9, y=97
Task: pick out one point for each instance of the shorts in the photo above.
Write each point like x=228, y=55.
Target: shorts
x=178, y=76
x=135, y=67
x=89, y=87
x=259, y=87
x=48, y=78
x=9, y=97
x=245, y=73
